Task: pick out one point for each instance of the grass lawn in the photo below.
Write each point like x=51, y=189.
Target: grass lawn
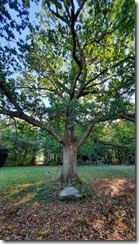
x=17, y=181
x=29, y=195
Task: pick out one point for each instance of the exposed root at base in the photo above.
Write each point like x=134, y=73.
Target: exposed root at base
x=70, y=182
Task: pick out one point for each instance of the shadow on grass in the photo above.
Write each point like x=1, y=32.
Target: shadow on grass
x=35, y=193
x=42, y=192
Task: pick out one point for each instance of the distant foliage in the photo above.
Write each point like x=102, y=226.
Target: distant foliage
x=111, y=143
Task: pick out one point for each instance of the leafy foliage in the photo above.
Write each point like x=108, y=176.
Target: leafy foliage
x=14, y=18
x=21, y=140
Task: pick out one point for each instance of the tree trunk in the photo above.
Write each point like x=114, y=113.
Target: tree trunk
x=33, y=156
x=69, y=168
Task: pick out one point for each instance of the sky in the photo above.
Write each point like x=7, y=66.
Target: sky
x=32, y=15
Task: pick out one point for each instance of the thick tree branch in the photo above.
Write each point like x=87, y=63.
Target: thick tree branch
x=36, y=88
x=58, y=15
x=123, y=60
x=98, y=83
x=83, y=86
x=72, y=90
x=85, y=135
x=73, y=17
x=11, y=99
x=76, y=45
x=79, y=9
x=87, y=92
x=99, y=39
x=21, y=115
x=32, y=121
x=130, y=117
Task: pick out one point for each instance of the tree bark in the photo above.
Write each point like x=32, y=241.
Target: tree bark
x=69, y=168
x=69, y=172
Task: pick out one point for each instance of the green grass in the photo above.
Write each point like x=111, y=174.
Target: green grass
x=24, y=184
x=91, y=173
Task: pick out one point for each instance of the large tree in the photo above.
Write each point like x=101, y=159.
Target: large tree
x=78, y=70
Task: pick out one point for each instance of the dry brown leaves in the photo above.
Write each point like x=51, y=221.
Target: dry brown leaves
x=109, y=214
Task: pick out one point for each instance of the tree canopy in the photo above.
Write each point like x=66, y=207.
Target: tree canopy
x=78, y=69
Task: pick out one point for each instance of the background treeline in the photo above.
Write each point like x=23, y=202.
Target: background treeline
x=110, y=143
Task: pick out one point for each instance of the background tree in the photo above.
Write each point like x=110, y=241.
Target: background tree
x=109, y=143
x=78, y=72
x=114, y=143
x=22, y=140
